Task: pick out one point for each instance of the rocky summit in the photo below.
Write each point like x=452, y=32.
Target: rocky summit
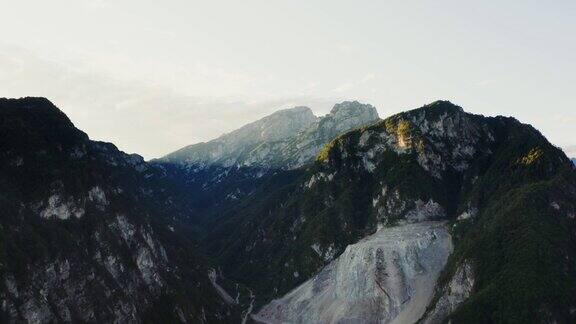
x=286, y=139
x=432, y=215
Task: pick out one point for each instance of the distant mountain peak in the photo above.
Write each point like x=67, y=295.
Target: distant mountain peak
x=300, y=114
x=288, y=138
x=350, y=107
x=294, y=110
x=347, y=110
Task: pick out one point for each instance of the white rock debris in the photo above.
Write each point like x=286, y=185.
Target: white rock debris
x=17, y=162
x=368, y=164
x=470, y=213
x=316, y=248
x=147, y=267
x=58, y=207
x=429, y=210
x=388, y=277
x=126, y=228
x=97, y=195
x=320, y=176
x=113, y=266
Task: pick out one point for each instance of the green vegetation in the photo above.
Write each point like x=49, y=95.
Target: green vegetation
x=532, y=156
x=523, y=257
x=325, y=152
x=521, y=247
x=403, y=128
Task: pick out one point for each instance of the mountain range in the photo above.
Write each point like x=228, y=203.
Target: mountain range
x=432, y=215
x=287, y=139
x=225, y=170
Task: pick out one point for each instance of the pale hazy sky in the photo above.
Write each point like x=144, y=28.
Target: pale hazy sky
x=152, y=76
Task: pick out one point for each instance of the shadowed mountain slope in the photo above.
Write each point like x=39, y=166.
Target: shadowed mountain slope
x=89, y=233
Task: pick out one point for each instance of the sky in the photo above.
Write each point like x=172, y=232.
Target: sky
x=153, y=76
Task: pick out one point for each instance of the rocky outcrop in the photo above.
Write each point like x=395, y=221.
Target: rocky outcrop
x=342, y=118
x=441, y=135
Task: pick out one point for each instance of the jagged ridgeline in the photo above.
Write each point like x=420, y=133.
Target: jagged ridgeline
x=223, y=171
x=91, y=234
x=286, y=139
x=504, y=194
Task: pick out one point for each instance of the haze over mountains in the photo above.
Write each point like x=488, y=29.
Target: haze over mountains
x=430, y=215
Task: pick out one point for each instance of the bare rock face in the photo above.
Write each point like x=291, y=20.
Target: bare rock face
x=348, y=115
x=249, y=144
x=387, y=277
x=286, y=139
x=343, y=117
